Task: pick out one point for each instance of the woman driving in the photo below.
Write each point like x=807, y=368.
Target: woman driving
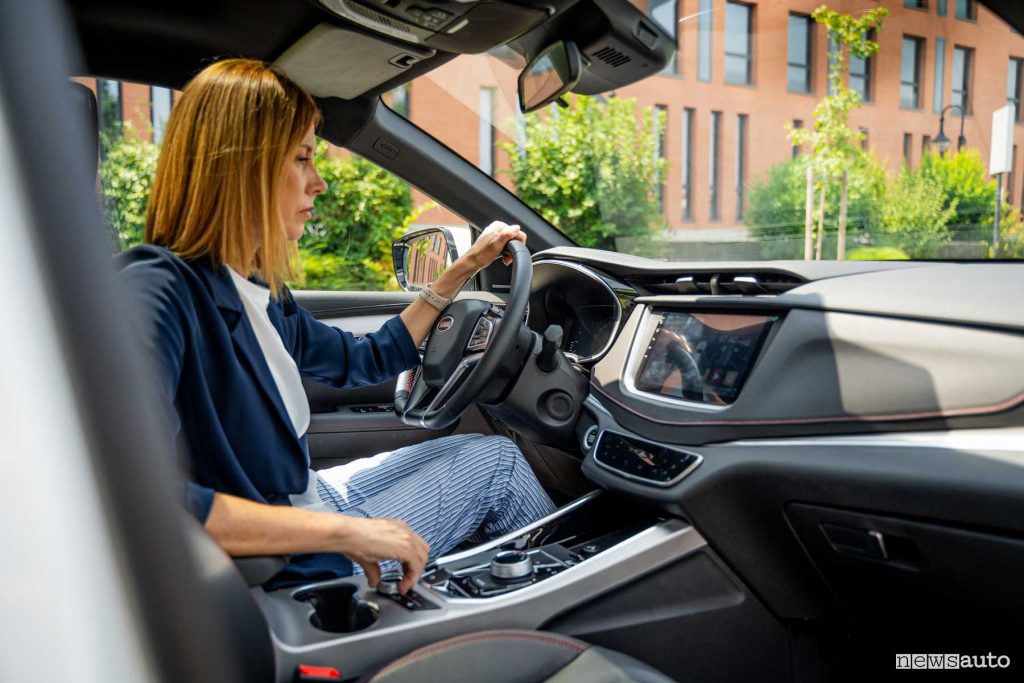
x=233, y=189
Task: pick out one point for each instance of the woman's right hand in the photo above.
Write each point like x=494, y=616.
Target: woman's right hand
x=369, y=541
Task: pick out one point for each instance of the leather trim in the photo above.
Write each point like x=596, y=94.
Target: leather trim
x=1011, y=402
x=554, y=640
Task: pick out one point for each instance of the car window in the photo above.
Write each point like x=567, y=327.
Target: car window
x=347, y=245
x=775, y=131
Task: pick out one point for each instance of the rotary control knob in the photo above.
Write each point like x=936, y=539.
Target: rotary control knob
x=511, y=565
x=388, y=584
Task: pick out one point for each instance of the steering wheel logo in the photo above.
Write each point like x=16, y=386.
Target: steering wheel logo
x=445, y=324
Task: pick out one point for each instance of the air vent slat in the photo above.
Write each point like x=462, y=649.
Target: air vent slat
x=747, y=283
x=611, y=57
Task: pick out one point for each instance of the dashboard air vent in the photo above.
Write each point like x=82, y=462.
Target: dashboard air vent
x=611, y=57
x=710, y=282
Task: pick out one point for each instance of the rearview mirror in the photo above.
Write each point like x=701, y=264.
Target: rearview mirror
x=420, y=257
x=551, y=74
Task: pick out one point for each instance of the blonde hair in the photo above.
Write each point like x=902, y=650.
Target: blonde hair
x=224, y=151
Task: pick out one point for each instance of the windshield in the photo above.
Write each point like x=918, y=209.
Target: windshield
x=778, y=131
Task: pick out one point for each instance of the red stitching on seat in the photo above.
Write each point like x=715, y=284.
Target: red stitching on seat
x=428, y=650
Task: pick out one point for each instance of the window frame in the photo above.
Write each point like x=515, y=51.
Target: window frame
x=919, y=48
x=967, y=76
x=808, y=67
x=748, y=58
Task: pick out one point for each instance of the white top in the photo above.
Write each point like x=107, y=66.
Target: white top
x=255, y=300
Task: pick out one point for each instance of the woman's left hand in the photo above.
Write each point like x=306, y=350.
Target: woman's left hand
x=489, y=244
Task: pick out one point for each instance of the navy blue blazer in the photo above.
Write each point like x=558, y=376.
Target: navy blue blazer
x=231, y=426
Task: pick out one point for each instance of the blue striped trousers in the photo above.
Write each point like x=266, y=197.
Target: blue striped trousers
x=466, y=486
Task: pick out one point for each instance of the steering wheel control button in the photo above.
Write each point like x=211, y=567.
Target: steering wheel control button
x=511, y=565
x=481, y=335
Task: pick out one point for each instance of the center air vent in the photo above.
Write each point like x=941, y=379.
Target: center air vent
x=710, y=282
x=611, y=57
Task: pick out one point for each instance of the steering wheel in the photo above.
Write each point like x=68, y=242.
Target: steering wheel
x=465, y=350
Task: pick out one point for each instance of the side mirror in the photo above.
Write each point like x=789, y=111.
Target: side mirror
x=421, y=256
x=551, y=74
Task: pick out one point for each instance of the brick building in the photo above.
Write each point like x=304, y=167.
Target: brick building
x=744, y=70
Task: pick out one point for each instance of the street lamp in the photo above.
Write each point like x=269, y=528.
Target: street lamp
x=941, y=142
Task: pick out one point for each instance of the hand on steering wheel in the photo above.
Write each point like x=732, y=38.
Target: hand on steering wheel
x=470, y=341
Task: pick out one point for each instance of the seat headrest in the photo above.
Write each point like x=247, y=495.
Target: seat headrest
x=85, y=103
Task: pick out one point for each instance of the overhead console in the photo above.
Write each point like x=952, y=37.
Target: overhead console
x=463, y=26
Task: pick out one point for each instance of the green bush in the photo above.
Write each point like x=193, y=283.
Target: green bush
x=876, y=254
x=776, y=201
x=347, y=245
x=916, y=214
x=966, y=186
x=591, y=170
x=126, y=174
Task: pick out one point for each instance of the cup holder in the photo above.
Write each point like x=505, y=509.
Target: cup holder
x=337, y=608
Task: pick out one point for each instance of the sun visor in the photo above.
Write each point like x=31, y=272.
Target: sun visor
x=334, y=62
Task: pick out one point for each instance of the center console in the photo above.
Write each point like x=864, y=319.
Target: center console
x=523, y=580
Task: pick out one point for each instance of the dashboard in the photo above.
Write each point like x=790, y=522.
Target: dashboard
x=838, y=431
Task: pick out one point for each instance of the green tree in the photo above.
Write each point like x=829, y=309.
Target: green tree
x=592, y=170
x=126, y=174
x=831, y=141
x=776, y=203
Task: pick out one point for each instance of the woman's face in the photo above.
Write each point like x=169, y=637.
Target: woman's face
x=300, y=184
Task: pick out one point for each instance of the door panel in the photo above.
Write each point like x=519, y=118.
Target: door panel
x=348, y=424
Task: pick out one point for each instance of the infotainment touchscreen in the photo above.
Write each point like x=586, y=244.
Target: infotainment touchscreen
x=702, y=357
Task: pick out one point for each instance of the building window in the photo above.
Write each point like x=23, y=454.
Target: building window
x=966, y=10
x=926, y=145
x=864, y=138
x=739, y=20
x=1013, y=84
x=687, y=159
x=714, y=167
x=666, y=14
x=962, y=59
x=938, y=98
x=160, y=102
x=400, y=100
x=833, y=54
x=659, y=116
x=485, y=134
x=916, y=4
x=741, y=165
x=908, y=143
x=108, y=95
x=940, y=7
x=860, y=74
x=797, y=124
x=799, y=51
x=704, y=40
x=1010, y=176
x=910, y=73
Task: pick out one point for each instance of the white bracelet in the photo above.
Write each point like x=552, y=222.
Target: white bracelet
x=433, y=298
